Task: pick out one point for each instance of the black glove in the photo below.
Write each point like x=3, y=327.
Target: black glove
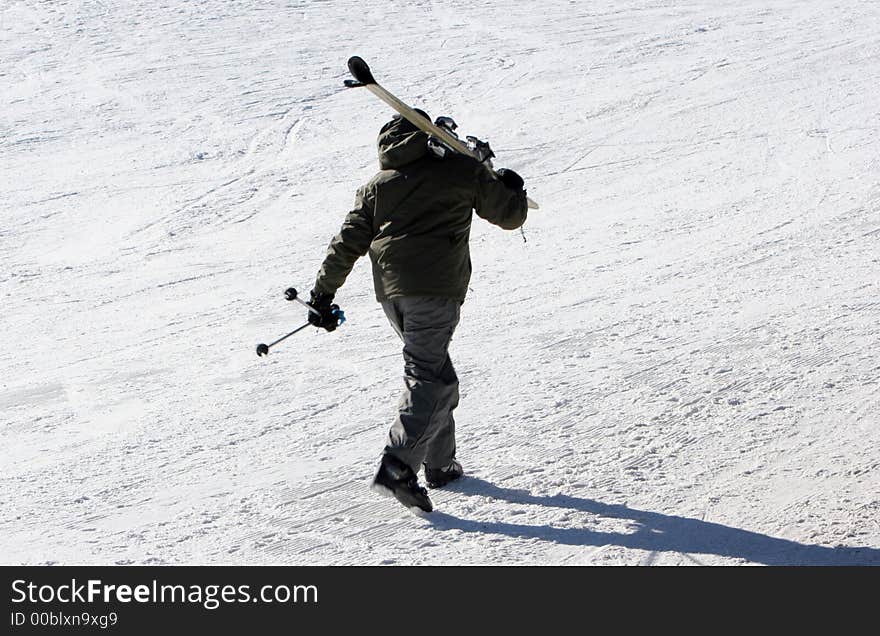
x=511, y=179
x=326, y=318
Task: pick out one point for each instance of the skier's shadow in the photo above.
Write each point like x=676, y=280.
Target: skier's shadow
x=653, y=532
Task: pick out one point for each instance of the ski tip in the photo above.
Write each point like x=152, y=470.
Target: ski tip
x=360, y=70
x=533, y=205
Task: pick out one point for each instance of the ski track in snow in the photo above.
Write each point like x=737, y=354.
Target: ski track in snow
x=678, y=367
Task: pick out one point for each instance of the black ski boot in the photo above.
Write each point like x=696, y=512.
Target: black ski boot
x=439, y=477
x=396, y=479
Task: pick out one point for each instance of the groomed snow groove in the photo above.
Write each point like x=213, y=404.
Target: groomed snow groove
x=678, y=367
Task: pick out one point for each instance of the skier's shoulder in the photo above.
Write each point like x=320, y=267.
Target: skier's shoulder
x=426, y=166
x=461, y=163
x=383, y=180
x=365, y=195
x=451, y=170
x=387, y=176
x=459, y=169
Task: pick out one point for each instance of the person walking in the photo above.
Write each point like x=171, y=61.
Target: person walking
x=413, y=219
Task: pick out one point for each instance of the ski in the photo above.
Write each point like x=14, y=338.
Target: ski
x=363, y=78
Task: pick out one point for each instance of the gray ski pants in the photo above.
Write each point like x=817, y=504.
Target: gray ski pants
x=424, y=430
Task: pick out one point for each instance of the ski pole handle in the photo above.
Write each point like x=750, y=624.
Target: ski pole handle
x=292, y=294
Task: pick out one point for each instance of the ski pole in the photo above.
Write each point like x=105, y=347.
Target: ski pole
x=289, y=294
x=263, y=349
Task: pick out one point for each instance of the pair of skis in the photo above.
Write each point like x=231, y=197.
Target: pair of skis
x=363, y=77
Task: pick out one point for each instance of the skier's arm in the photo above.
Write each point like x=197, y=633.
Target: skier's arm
x=352, y=242
x=498, y=202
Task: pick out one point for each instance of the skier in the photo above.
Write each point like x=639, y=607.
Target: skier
x=414, y=219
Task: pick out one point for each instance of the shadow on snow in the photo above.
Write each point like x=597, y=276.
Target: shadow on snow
x=655, y=532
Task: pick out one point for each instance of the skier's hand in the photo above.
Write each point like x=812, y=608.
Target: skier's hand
x=327, y=317
x=511, y=179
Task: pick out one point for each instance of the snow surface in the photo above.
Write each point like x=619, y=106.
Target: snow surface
x=679, y=366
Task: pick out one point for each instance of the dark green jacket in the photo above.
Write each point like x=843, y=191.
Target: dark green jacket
x=414, y=219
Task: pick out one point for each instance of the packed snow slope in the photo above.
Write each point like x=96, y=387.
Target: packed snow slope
x=678, y=366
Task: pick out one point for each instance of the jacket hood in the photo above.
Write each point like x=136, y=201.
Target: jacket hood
x=400, y=143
